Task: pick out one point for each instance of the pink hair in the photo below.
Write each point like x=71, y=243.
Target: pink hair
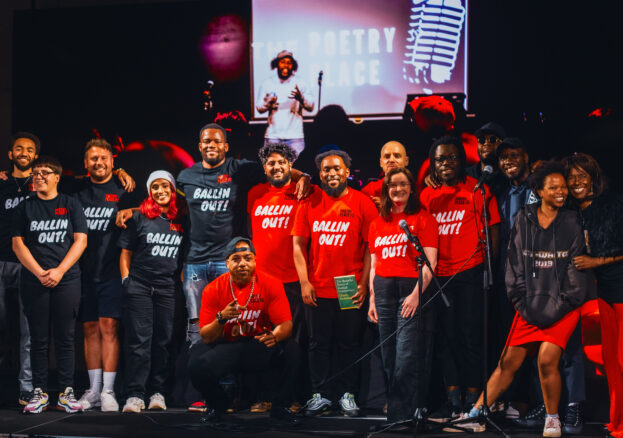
x=152, y=210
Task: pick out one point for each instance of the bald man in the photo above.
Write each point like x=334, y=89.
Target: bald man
x=393, y=155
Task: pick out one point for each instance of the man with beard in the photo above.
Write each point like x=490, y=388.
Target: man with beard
x=24, y=148
x=458, y=208
x=272, y=206
x=285, y=97
x=216, y=193
x=330, y=240
x=489, y=136
x=393, y=155
x=244, y=319
x=101, y=197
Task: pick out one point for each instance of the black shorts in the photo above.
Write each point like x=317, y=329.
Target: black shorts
x=101, y=300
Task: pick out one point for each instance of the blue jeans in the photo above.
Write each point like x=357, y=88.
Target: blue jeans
x=10, y=279
x=298, y=144
x=196, y=278
x=407, y=354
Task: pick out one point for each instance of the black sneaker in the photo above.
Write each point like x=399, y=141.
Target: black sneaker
x=445, y=413
x=534, y=418
x=283, y=417
x=211, y=416
x=573, y=420
x=24, y=397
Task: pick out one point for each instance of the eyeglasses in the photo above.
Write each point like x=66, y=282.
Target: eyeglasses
x=482, y=139
x=401, y=185
x=42, y=173
x=442, y=159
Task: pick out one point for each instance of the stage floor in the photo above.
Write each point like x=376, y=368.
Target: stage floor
x=179, y=423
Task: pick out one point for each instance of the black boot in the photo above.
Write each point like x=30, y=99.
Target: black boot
x=534, y=418
x=573, y=420
x=283, y=417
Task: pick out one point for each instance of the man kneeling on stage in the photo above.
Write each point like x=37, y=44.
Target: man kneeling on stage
x=244, y=319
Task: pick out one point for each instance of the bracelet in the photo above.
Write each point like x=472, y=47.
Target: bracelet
x=220, y=319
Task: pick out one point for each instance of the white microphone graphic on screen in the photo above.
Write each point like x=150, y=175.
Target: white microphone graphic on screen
x=433, y=40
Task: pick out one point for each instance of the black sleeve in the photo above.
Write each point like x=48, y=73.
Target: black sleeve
x=253, y=172
x=19, y=222
x=128, y=236
x=576, y=284
x=515, y=269
x=77, y=217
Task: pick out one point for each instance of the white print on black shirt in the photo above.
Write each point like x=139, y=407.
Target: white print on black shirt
x=545, y=259
x=274, y=210
x=216, y=199
x=328, y=227
x=12, y=203
x=98, y=218
x=454, y=216
x=50, y=226
x=167, y=244
x=394, y=250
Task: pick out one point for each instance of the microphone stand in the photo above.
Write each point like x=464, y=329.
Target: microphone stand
x=319, y=88
x=420, y=419
x=484, y=414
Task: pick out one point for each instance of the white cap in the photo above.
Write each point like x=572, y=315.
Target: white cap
x=160, y=174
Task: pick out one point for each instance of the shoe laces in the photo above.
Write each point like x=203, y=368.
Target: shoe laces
x=69, y=394
x=573, y=414
x=536, y=412
x=349, y=400
x=552, y=423
x=36, y=395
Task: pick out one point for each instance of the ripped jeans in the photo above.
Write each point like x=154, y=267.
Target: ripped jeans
x=196, y=278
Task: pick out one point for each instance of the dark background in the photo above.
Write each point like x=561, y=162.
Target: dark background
x=538, y=68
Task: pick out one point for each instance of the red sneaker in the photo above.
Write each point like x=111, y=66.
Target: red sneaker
x=198, y=406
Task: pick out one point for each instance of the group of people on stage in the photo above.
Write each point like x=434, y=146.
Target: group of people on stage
x=279, y=275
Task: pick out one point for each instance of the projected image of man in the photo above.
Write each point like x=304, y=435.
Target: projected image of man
x=285, y=97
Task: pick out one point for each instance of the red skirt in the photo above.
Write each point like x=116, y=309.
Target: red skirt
x=558, y=333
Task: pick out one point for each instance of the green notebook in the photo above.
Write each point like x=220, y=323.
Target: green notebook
x=346, y=286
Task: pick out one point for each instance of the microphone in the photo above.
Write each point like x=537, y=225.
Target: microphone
x=320, y=77
x=433, y=41
x=488, y=170
x=405, y=227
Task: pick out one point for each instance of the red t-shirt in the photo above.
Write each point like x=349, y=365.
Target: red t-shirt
x=338, y=230
x=272, y=212
x=395, y=255
x=373, y=188
x=460, y=226
x=268, y=307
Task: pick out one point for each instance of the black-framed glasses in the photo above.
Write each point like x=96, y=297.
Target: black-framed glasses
x=442, y=159
x=42, y=173
x=491, y=138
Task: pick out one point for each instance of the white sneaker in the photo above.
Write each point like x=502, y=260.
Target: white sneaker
x=90, y=399
x=552, y=427
x=511, y=413
x=473, y=426
x=348, y=405
x=156, y=401
x=134, y=404
x=109, y=402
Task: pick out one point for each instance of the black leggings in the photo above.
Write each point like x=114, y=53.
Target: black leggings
x=60, y=306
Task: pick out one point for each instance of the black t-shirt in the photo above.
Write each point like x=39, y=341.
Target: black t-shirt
x=217, y=201
x=157, y=247
x=12, y=192
x=101, y=202
x=48, y=228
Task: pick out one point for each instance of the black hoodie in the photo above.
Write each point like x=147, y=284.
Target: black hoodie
x=541, y=280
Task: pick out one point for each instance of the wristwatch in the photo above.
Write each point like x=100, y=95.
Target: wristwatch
x=220, y=319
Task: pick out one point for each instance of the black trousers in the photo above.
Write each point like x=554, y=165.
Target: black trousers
x=331, y=328
x=209, y=363
x=301, y=384
x=58, y=306
x=460, y=343
x=148, y=321
x=9, y=281
x=407, y=353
